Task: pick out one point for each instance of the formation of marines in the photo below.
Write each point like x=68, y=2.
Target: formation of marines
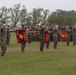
x=52, y=36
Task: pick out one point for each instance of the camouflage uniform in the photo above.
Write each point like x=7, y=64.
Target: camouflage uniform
x=42, y=39
x=3, y=40
x=55, y=38
x=8, y=36
x=74, y=36
x=29, y=36
x=69, y=35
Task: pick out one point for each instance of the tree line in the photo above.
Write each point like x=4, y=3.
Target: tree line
x=15, y=14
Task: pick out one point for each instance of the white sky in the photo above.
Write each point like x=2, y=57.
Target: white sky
x=52, y=5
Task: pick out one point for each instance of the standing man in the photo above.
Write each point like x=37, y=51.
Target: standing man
x=42, y=38
x=23, y=45
x=55, y=37
x=69, y=34
x=21, y=26
x=3, y=37
x=29, y=34
x=74, y=35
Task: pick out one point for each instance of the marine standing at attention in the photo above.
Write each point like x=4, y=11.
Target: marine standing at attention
x=3, y=37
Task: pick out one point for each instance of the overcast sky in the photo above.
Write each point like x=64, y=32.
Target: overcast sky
x=52, y=5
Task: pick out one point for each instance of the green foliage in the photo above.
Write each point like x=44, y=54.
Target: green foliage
x=62, y=17
x=61, y=61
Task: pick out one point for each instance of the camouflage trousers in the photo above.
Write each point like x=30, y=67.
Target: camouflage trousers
x=3, y=41
x=8, y=37
x=42, y=42
x=55, y=40
x=55, y=44
x=29, y=38
x=74, y=39
x=3, y=50
x=23, y=46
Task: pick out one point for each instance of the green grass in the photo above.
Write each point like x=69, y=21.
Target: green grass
x=61, y=61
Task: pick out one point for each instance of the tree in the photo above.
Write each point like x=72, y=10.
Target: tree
x=45, y=16
x=62, y=17
x=4, y=13
x=29, y=19
x=36, y=15
x=15, y=14
x=23, y=14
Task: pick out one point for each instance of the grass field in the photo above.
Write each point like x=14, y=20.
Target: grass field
x=61, y=61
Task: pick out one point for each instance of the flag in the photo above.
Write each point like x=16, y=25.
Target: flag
x=63, y=35
x=46, y=37
x=21, y=36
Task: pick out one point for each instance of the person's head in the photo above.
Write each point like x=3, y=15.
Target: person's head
x=55, y=30
x=42, y=25
x=23, y=26
x=3, y=22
